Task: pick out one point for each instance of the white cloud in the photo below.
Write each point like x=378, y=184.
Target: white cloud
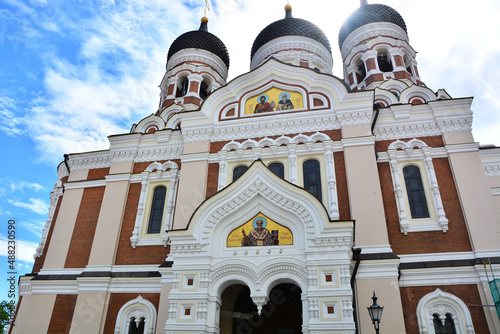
x=25, y=249
x=35, y=204
x=21, y=185
x=10, y=123
x=4, y=213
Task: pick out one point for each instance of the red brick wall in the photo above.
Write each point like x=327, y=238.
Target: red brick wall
x=84, y=230
x=456, y=239
x=62, y=314
x=342, y=193
x=97, y=173
x=117, y=300
x=40, y=261
x=142, y=254
x=468, y=293
x=370, y=64
x=212, y=179
x=193, y=87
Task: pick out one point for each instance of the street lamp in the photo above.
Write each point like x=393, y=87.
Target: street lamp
x=375, y=312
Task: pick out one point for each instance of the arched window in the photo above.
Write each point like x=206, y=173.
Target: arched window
x=384, y=61
x=415, y=191
x=137, y=316
x=238, y=171
x=443, y=313
x=278, y=169
x=312, y=177
x=156, y=214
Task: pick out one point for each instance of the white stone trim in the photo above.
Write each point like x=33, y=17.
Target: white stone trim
x=442, y=303
x=491, y=161
x=423, y=153
x=198, y=56
x=372, y=30
x=439, y=276
x=54, y=199
x=138, y=308
x=375, y=269
x=296, y=48
x=331, y=183
x=154, y=173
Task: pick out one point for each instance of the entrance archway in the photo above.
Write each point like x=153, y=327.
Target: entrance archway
x=281, y=315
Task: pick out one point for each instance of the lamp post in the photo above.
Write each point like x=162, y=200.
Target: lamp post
x=375, y=312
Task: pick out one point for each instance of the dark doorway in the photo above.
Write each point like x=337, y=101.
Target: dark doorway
x=281, y=315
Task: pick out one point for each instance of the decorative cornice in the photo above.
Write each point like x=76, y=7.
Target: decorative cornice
x=192, y=135
x=153, y=154
x=92, y=160
x=269, y=128
x=439, y=276
x=396, y=131
x=460, y=148
x=491, y=161
x=361, y=141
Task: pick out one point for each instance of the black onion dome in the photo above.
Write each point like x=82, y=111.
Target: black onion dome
x=200, y=39
x=369, y=14
x=289, y=26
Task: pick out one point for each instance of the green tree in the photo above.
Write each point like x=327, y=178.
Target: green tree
x=6, y=309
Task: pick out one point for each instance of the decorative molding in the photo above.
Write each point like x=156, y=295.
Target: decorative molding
x=411, y=128
x=198, y=56
x=154, y=173
x=294, y=47
x=283, y=140
x=56, y=193
x=380, y=30
x=395, y=159
x=138, y=309
x=92, y=160
x=62, y=171
x=268, y=127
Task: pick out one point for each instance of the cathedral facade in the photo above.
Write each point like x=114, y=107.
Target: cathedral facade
x=278, y=202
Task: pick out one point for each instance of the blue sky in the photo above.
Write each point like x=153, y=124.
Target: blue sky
x=73, y=72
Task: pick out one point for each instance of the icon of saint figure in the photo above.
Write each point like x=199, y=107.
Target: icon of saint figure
x=264, y=106
x=259, y=236
x=284, y=103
